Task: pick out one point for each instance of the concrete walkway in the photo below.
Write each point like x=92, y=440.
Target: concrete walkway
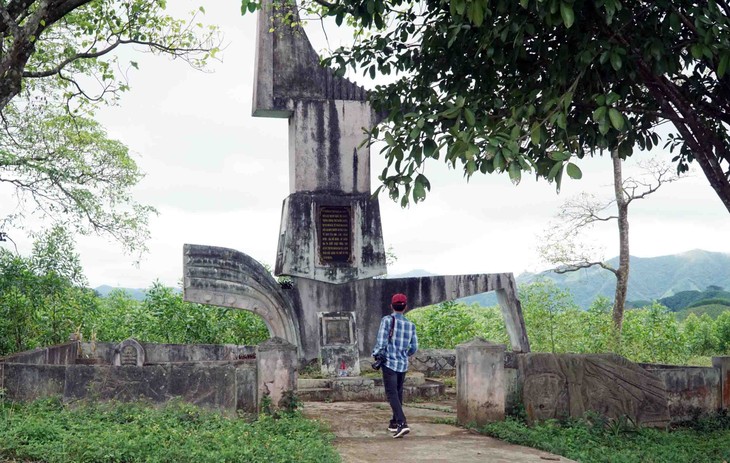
x=362, y=436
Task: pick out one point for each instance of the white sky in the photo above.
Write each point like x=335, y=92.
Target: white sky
x=218, y=177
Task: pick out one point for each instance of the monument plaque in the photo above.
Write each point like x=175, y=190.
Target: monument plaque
x=335, y=234
x=337, y=331
x=129, y=356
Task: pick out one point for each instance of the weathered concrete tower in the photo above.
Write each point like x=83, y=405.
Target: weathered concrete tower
x=331, y=240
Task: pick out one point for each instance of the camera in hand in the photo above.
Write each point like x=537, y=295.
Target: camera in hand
x=379, y=361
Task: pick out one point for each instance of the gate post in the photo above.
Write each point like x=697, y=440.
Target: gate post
x=276, y=361
x=480, y=382
x=723, y=365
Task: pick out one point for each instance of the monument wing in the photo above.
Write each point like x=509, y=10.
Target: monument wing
x=288, y=68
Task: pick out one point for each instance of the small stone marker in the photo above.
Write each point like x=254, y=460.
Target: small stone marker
x=129, y=353
x=129, y=356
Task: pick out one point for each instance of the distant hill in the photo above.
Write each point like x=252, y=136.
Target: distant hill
x=650, y=278
x=412, y=274
x=134, y=293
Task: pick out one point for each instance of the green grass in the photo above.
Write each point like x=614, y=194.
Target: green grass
x=590, y=442
x=52, y=432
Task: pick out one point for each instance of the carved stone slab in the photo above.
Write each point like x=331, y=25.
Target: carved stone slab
x=129, y=353
x=569, y=385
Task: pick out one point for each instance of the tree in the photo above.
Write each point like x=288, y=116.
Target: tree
x=17, y=322
x=579, y=214
x=58, y=62
x=42, y=297
x=551, y=317
x=508, y=86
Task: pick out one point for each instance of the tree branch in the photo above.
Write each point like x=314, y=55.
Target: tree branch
x=581, y=265
x=58, y=68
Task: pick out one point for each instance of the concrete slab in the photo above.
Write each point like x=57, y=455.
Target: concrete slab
x=362, y=436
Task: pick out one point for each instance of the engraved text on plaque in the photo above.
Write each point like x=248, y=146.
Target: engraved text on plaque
x=335, y=236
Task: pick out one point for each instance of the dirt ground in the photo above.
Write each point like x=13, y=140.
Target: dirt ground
x=362, y=436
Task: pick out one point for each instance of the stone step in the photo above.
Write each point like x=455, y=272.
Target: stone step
x=314, y=383
x=318, y=394
x=363, y=389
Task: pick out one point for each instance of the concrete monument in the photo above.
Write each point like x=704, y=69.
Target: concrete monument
x=331, y=241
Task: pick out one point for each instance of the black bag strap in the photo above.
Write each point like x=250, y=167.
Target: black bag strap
x=392, y=325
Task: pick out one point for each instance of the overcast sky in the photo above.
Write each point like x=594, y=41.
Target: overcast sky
x=218, y=177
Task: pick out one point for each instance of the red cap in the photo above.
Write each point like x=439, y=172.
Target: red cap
x=399, y=299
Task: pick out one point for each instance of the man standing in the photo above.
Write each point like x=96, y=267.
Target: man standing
x=396, y=341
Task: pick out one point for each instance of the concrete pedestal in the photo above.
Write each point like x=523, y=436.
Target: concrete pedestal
x=480, y=382
x=276, y=361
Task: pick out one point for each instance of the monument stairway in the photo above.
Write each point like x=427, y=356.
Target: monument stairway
x=365, y=388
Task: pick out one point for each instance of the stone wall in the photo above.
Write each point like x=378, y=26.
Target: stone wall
x=227, y=387
x=220, y=377
x=434, y=362
x=62, y=354
x=171, y=353
x=691, y=391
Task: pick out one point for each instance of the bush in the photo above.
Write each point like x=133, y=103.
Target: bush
x=611, y=441
x=50, y=431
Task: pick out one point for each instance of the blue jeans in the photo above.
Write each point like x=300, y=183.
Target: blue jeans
x=393, y=384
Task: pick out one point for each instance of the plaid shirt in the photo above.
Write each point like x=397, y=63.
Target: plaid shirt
x=403, y=344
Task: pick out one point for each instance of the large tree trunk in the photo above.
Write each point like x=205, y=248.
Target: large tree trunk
x=622, y=273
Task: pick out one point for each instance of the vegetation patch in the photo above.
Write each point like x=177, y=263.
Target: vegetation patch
x=595, y=440
x=50, y=431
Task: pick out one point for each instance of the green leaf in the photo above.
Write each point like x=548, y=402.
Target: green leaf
x=419, y=189
x=515, y=172
x=535, y=133
x=617, y=119
x=574, y=171
x=471, y=167
x=722, y=66
x=604, y=126
x=566, y=11
x=616, y=61
x=600, y=113
x=524, y=3
x=697, y=51
x=559, y=156
x=557, y=167
x=459, y=6
x=612, y=98
x=562, y=121
x=469, y=117
x=477, y=13
x=499, y=162
x=429, y=147
x=389, y=139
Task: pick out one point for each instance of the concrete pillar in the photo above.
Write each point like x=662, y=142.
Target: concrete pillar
x=276, y=361
x=723, y=364
x=480, y=382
